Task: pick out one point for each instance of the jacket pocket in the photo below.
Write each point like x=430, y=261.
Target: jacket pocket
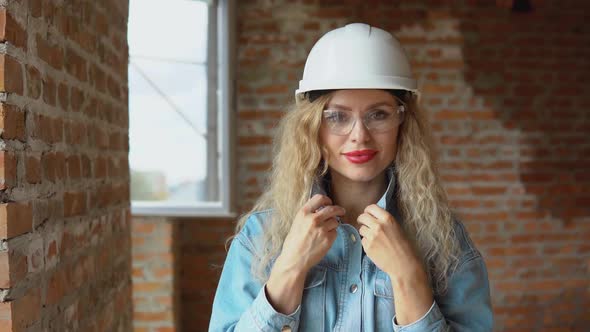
x=383, y=285
x=315, y=277
x=313, y=302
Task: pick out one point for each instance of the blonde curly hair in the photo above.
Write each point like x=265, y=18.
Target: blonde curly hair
x=422, y=202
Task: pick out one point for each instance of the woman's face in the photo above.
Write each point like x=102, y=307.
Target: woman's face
x=362, y=154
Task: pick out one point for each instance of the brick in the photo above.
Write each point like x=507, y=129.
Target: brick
x=60, y=165
x=37, y=256
x=19, y=265
x=3, y=24
x=12, y=122
x=12, y=31
x=74, y=167
x=488, y=190
x=49, y=91
x=101, y=138
x=27, y=309
x=41, y=127
x=76, y=99
x=98, y=78
x=76, y=65
x=7, y=169
x=113, y=87
x=48, y=166
x=260, y=115
x=275, y=88
x=75, y=133
x=57, y=129
x=15, y=219
x=6, y=316
x=74, y=204
x=53, y=55
x=51, y=255
x=4, y=270
x=101, y=24
x=82, y=271
x=152, y=316
x=56, y=287
x=86, y=166
x=145, y=228
x=33, y=82
x=35, y=7
x=100, y=168
x=11, y=75
x=33, y=169
x=86, y=40
x=253, y=140
x=115, y=141
x=163, y=273
x=63, y=93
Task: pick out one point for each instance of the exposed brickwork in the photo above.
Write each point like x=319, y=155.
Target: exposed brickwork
x=65, y=259
x=201, y=258
x=508, y=96
x=155, y=275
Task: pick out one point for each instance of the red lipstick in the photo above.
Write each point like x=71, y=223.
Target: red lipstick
x=360, y=156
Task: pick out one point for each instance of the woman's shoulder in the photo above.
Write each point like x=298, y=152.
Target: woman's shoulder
x=256, y=222
x=467, y=249
x=252, y=232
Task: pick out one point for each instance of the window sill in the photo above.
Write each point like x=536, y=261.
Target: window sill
x=167, y=209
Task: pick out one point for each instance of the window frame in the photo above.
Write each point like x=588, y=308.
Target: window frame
x=221, y=104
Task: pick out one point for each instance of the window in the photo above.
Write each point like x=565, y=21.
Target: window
x=180, y=99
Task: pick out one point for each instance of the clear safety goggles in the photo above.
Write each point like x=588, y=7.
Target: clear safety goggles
x=379, y=120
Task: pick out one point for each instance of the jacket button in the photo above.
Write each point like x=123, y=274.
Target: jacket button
x=352, y=238
x=286, y=328
x=353, y=288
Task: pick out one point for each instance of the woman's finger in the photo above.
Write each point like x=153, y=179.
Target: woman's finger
x=330, y=224
x=364, y=230
x=378, y=213
x=330, y=211
x=368, y=220
x=316, y=202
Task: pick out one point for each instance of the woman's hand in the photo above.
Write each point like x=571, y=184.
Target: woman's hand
x=386, y=245
x=384, y=241
x=312, y=233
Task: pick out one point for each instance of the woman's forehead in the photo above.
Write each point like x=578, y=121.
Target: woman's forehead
x=360, y=99
x=335, y=106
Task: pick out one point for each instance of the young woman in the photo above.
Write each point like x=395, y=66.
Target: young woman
x=354, y=232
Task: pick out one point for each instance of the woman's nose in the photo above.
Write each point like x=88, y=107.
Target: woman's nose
x=359, y=132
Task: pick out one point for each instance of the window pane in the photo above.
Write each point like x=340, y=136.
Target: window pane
x=170, y=29
x=167, y=100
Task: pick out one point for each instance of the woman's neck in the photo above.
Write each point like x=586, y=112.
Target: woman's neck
x=355, y=196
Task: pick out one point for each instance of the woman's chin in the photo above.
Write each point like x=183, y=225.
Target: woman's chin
x=358, y=175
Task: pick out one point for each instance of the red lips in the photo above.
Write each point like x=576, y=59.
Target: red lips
x=360, y=156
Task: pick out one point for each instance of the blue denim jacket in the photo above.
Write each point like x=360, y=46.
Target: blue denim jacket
x=346, y=291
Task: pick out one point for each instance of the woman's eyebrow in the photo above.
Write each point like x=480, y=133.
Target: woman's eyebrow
x=342, y=107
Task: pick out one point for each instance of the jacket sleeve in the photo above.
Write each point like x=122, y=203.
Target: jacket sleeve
x=240, y=302
x=466, y=305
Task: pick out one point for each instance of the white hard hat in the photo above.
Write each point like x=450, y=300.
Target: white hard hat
x=356, y=56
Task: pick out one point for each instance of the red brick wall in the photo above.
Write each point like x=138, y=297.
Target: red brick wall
x=155, y=275
x=176, y=264
x=508, y=98
x=65, y=258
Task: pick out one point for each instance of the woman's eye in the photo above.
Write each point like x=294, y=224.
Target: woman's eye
x=335, y=117
x=378, y=115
